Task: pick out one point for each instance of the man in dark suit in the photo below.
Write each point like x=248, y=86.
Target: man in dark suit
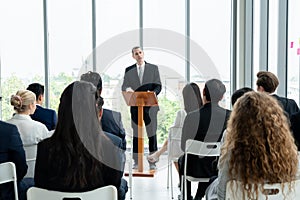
x=111, y=121
x=11, y=150
x=143, y=76
x=43, y=115
x=295, y=126
x=268, y=82
x=206, y=124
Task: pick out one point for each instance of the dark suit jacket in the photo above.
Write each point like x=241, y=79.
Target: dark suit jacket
x=295, y=126
x=45, y=116
x=288, y=105
x=206, y=124
x=151, y=82
x=11, y=150
x=112, y=123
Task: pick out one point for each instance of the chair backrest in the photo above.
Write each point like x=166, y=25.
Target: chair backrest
x=174, y=143
x=269, y=191
x=108, y=193
x=8, y=174
x=204, y=149
x=30, y=152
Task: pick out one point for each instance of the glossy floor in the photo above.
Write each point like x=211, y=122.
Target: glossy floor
x=155, y=188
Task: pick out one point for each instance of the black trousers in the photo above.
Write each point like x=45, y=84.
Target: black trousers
x=150, y=120
x=198, y=167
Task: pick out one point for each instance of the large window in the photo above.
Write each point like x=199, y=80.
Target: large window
x=70, y=42
x=210, y=30
x=293, y=50
x=21, y=39
x=273, y=37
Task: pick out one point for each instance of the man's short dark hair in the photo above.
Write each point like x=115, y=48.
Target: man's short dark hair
x=214, y=90
x=37, y=89
x=134, y=48
x=92, y=77
x=99, y=102
x=267, y=80
x=238, y=93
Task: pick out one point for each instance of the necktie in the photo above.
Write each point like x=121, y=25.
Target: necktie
x=140, y=74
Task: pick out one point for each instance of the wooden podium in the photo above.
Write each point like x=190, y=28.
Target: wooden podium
x=140, y=99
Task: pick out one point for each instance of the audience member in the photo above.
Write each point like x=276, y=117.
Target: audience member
x=192, y=101
x=258, y=148
x=268, y=82
x=111, y=121
x=239, y=93
x=295, y=126
x=31, y=131
x=43, y=115
x=11, y=150
x=234, y=97
x=205, y=124
x=79, y=157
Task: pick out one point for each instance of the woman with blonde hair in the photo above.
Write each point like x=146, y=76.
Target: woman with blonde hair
x=258, y=148
x=31, y=132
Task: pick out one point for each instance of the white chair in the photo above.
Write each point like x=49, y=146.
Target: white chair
x=174, y=152
x=107, y=193
x=270, y=191
x=204, y=149
x=8, y=174
x=30, y=152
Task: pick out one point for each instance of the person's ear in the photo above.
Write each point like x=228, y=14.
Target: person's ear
x=100, y=113
x=40, y=98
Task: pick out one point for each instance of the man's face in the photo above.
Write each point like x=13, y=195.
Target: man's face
x=138, y=55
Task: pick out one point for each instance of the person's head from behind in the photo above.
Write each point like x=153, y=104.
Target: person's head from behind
x=191, y=97
x=24, y=102
x=94, y=78
x=258, y=143
x=38, y=90
x=266, y=82
x=99, y=105
x=213, y=91
x=239, y=93
x=77, y=124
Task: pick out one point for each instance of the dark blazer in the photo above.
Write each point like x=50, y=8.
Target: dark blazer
x=288, y=105
x=151, y=79
x=11, y=150
x=151, y=82
x=45, y=116
x=112, y=123
x=206, y=124
x=295, y=126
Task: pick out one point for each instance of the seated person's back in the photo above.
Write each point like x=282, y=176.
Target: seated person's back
x=79, y=156
x=11, y=150
x=43, y=115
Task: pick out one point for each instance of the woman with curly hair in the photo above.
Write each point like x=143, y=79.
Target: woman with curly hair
x=258, y=148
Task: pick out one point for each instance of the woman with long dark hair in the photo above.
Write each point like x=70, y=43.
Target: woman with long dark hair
x=79, y=156
x=192, y=101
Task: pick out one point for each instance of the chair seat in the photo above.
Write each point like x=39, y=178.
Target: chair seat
x=107, y=192
x=194, y=179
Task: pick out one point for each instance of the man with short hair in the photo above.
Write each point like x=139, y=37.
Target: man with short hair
x=143, y=76
x=43, y=115
x=11, y=150
x=268, y=82
x=206, y=124
x=111, y=121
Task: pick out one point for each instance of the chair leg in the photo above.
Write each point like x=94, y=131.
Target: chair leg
x=130, y=171
x=181, y=188
x=171, y=176
x=168, y=173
